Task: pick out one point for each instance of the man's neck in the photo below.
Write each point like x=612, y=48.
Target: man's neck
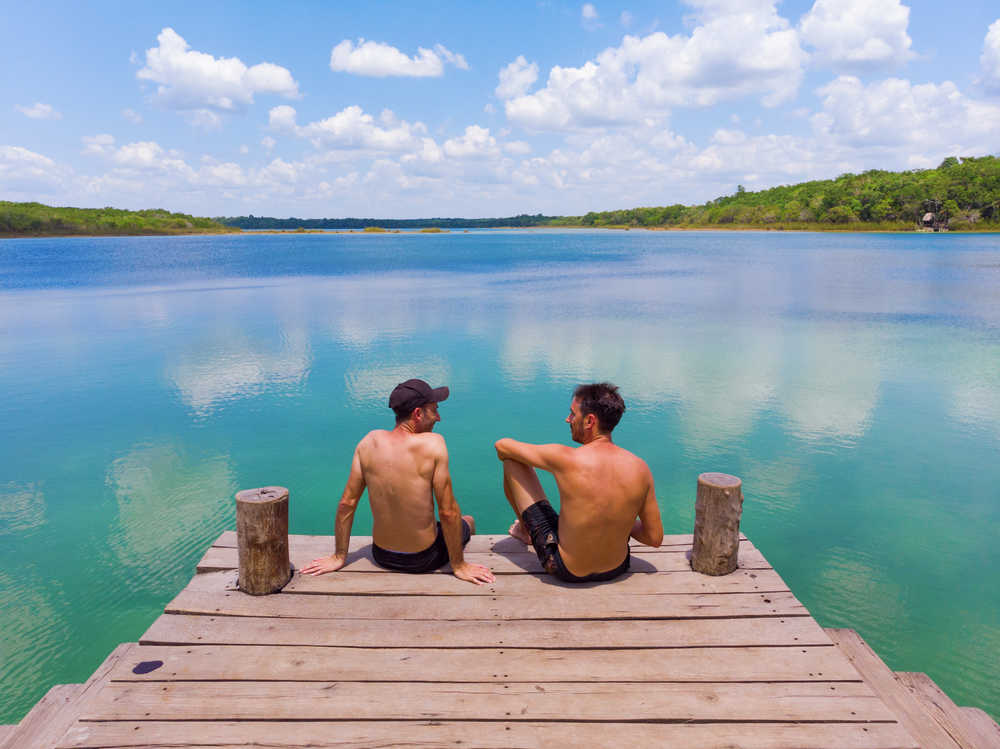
x=599, y=437
x=406, y=426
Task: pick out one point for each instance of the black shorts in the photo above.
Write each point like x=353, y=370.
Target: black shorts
x=542, y=522
x=433, y=557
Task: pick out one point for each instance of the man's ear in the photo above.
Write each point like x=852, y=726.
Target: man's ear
x=590, y=421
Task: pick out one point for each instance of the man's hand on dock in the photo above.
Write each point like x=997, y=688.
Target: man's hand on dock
x=473, y=573
x=322, y=565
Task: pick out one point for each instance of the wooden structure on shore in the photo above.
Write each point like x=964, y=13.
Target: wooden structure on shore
x=364, y=657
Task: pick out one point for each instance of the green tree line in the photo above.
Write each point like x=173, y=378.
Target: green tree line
x=35, y=219
x=266, y=222
x=962, y=193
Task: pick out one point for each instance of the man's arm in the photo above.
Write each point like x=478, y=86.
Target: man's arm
x=345, y=519
x=547, y=457
x=451, y=522
x=648, y=527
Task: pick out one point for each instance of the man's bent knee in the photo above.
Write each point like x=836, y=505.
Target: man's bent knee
x=471, y=521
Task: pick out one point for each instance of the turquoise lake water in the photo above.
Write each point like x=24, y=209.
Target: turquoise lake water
x=851, y=380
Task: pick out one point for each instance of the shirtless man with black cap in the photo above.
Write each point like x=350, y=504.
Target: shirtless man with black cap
x=606, y=493
x=405, y=470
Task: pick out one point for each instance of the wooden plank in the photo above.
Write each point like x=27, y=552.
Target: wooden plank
x=903, y=705
x=948, y=715
x=49, y=719
x=307, y=663
x=220, y=558
x=281, y=700
x=489, y=735
x=398, y=583
x=34, y=727
x=982, y=726
x=5, y=732
x=450, y=608
x=180, y=629
x=480, y=543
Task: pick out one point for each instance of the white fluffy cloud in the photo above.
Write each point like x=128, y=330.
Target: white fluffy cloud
x=22, y=170
x=99, y=144
x=381, y=60
x=475, y=143
x=351, y=128
x=206, y=85
x=39, y=111
x=990, y=59
x=858, y=34
x=738, y=49
x=516, y=78
x=929, y=120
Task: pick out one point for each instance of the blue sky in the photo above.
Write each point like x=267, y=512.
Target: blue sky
x=403, y=110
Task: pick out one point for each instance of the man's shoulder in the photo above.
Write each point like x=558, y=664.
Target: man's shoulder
x=625, y=457
x=372, y=436
x=432, y=440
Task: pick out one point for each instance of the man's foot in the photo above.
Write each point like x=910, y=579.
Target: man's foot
x=518, y=531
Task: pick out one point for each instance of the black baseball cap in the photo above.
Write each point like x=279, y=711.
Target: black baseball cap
x=413, y=393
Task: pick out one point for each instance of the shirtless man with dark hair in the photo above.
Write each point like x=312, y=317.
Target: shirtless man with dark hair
x=405, y=470
x=606, y=493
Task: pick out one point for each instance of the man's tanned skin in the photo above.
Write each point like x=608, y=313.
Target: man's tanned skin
x=606, y=494
x=404, y=470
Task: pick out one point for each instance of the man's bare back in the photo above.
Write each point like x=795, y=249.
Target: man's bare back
x=398, y=467
x=405, y=470
x=606, y=494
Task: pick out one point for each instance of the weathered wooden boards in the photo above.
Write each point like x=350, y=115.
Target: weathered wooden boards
x=485, y=734
x=361, y=657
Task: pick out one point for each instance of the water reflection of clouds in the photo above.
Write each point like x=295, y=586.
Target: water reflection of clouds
x=162, y=494
x=976, y=393
x=719, y=376
x=232, y=367
x=22, y=507
x=370, y=386
x=30, y=618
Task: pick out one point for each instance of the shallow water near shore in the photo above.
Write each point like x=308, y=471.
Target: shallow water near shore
x=851, y=380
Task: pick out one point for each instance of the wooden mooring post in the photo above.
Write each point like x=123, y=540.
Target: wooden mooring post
x=717, y=512
x=262, y=539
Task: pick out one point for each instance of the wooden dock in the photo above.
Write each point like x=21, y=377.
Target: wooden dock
x=365, y=657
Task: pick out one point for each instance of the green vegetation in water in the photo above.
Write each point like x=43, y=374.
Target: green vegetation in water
x=37, y=220
x=961, y=194
x=433, y=230
x=374, y=230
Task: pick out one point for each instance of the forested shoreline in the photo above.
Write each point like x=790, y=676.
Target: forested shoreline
x=962, y=194
x=38, y=220
x=252, y=222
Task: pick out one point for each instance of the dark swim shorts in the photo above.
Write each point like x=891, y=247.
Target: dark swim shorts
x=433, y=557
x=542, y=522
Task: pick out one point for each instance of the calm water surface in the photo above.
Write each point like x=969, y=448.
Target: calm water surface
x=852, y=381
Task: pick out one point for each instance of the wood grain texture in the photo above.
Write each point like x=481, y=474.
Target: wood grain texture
x=540, y=585
x=182, y=629
x=310, y=663
x=957, y=723
x=488, y=735
x=924, y=729
x=495, y=608
x=282, y=700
